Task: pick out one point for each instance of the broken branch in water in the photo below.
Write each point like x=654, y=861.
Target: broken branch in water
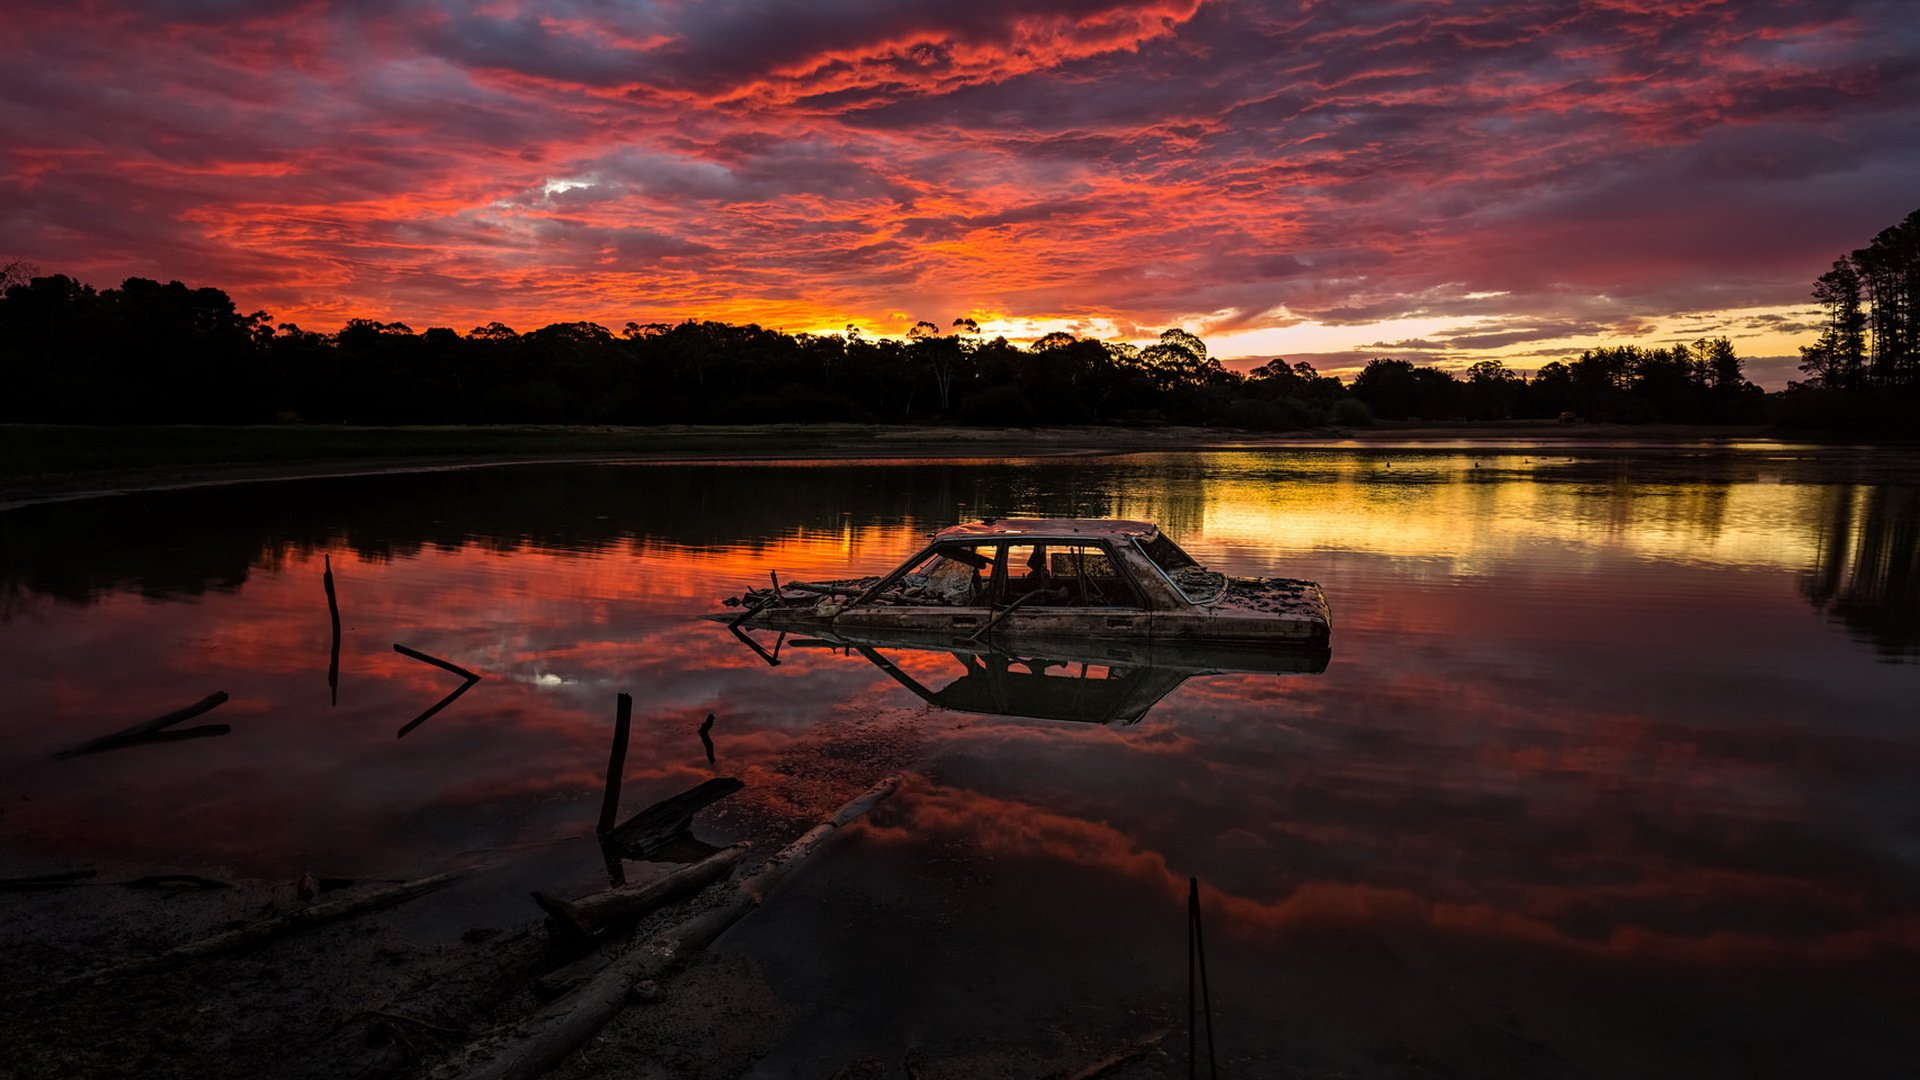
x=734, y=627
x=443, y=702
x=436, y=662
x=659, y=824
x=436, y=707
x=150, y=731
x=589, y=915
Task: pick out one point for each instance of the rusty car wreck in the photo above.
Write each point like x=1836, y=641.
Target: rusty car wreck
x=1035, y=580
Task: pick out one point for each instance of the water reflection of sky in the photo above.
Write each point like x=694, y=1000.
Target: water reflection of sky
x=1609, y=759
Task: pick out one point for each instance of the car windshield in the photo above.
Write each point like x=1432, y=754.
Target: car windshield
x=1032, y=574
x=1196, y=583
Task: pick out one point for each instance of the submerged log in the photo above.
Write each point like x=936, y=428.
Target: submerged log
x=146, y=732
x=621, y=906
x=558, y=1030
x=659, y=824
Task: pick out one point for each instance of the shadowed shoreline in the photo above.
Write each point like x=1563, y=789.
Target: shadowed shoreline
x=42, y=463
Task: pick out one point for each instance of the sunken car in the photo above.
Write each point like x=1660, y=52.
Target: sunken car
x=1016, y=580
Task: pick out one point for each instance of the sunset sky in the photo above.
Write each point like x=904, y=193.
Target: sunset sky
x=1439, y=182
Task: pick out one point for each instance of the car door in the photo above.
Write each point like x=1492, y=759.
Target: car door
x=1067, y=591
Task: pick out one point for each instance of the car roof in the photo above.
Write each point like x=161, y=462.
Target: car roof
x=1050, y=529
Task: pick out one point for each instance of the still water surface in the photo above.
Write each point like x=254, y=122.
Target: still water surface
x=1611, y=771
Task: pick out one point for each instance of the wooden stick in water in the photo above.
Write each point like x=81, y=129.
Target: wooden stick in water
x=333, y=612
x=146, y=730
x=435, y=661
x=616, y=763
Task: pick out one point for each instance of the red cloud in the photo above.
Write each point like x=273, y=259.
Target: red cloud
x=1582, y=166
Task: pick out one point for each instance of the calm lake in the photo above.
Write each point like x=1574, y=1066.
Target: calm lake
x=1612, y=771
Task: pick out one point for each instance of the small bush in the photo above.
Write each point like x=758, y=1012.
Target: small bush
x=1352, y=412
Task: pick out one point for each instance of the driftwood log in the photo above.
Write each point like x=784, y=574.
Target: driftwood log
x=627, y=904
x=660, y=824
x=386, y=1042
x=556, y=1031
x=151, y=730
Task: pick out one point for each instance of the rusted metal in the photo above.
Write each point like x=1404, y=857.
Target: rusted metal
x=1023, y=579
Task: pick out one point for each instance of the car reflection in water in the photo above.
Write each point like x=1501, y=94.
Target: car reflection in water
x=1092, y=682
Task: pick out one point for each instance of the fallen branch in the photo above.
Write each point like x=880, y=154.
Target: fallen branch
x=653, y=828
x=589, y=915
x=435, y=708
x=826, y=590
x=146, y=731
x=556, y=1031
x=278, y=926
x=469, y=676
x=436, y=662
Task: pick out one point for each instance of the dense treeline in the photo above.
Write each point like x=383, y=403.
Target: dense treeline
x=153, y=353
x=1863, y=372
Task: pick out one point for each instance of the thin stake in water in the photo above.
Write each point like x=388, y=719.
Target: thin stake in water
x=333, y=611
x=155, y=730
x=616, y=763
x=1197, y=951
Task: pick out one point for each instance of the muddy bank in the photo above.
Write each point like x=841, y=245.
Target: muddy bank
x=130, y=970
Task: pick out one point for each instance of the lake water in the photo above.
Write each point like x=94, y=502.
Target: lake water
x=1611, y=772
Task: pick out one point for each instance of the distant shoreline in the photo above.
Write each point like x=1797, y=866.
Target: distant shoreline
x=50, y=463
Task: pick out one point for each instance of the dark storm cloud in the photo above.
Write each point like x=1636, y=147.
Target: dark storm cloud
x=1529, y=170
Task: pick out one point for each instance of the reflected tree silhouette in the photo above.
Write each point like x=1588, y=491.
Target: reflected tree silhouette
x=1867, y=573
x=184, y=543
